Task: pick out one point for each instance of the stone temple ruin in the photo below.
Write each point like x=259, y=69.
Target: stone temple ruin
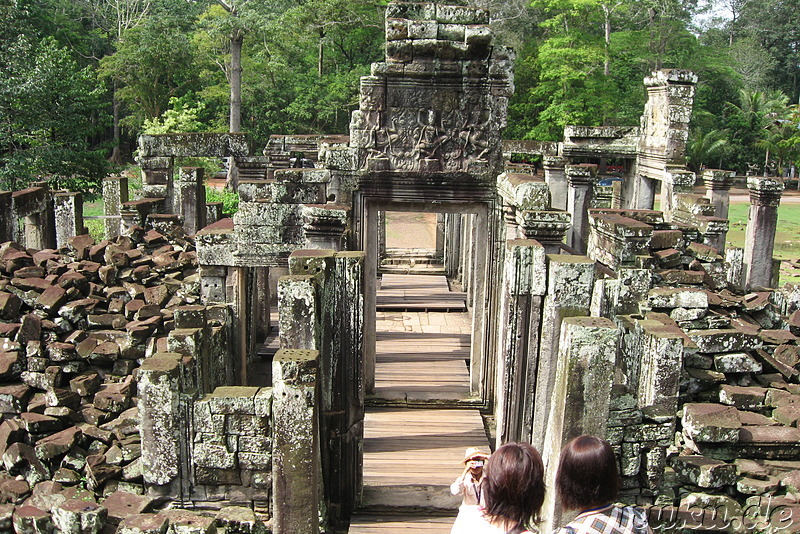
x=134, y=398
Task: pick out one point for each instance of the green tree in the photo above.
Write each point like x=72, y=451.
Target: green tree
x=153, y=63
x=50, y=109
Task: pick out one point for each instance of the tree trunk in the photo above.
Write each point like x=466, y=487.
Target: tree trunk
x=607, y=28
x=116, y=154
x=320, y=54
x=236, y=82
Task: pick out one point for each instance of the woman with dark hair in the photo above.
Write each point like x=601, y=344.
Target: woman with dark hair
x=587, y=482
x=513, y=489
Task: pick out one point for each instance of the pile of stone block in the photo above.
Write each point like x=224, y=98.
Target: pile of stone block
x=728, y=363
x=77, y=324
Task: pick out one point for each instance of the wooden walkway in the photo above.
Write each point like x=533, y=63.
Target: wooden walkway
x=413, y=446
x=418, y=292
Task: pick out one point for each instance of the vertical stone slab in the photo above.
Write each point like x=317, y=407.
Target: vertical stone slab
x=115, y=193
x=762, y=221
x=660, y=370
x=581, y=394
x=581, y=183
x=524, y=283
x=190, y=198
x=161, y=420
x=556, y=178
x=734, y=257
x=298, y=312
x=296, y=449
x=381, y=235
x=718, y=185
x=452, y=244
x=344, y=478
x=569, y=294
x=440, y=229
x=68, y=217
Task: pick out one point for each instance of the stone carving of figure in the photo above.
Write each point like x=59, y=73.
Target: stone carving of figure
x=429, y=137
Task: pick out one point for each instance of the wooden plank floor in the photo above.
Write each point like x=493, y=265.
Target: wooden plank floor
x=422, y=355
x=418, y=292
x=418, y=446
x=386, y=524
x=412, y=454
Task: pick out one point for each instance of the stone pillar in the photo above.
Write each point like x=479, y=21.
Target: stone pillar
x=69, y=217
x=765, y=197
x=381, y=236
x=556, y=178
x=298, y=319
x=546, y=227
x=452, y=244
x=347, y=376
x=7, y=222
x=296, y=449
x=190, y=199
x=157, y=179
x=324, y=226
x=570, y=280
x=581, y=183
x=718, y=185
x=162, y=422
x=440, y=229
x=677, y=181
x=524, y=284
x=581, y=396
x=115, y=193
x=734, y=257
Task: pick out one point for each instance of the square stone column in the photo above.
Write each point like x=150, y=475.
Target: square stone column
x=677, y=181
x=581, y=184
x=324, y=226
x=556, y=178
x=718, y=185
x=190, y=199
x=581, y=395
x=524, y=284
x=762, y=221
x=164, y=421
x=115, y=194
x=296, y=474
x=69, y=217
x=570, y=280
x=157, y=179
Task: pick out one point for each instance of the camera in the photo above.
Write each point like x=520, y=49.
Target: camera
x=477, y=463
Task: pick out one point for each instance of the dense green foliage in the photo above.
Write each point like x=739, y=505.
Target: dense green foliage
x=80, y=79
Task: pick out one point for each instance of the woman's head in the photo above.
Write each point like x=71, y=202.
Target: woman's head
x=587, y=474
x=513, y=485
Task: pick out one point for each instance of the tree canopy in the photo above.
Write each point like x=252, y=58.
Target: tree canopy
x=80, y=79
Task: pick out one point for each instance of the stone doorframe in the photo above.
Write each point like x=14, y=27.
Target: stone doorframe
x=368, y=238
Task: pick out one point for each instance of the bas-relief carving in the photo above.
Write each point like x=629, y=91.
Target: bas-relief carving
x=455, y=137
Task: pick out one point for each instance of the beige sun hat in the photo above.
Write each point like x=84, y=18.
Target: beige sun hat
x=474, y=453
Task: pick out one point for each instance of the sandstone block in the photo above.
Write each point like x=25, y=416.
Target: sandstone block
x=711, y=423
x=240, y=519
x=747, y=398
x=79, y=517
x=736, y=362
x=704, y=472
x=121, y=505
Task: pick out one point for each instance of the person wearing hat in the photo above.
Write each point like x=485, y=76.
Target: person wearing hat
x=468, y=484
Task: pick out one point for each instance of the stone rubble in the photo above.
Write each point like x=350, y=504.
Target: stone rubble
x=77, y=324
